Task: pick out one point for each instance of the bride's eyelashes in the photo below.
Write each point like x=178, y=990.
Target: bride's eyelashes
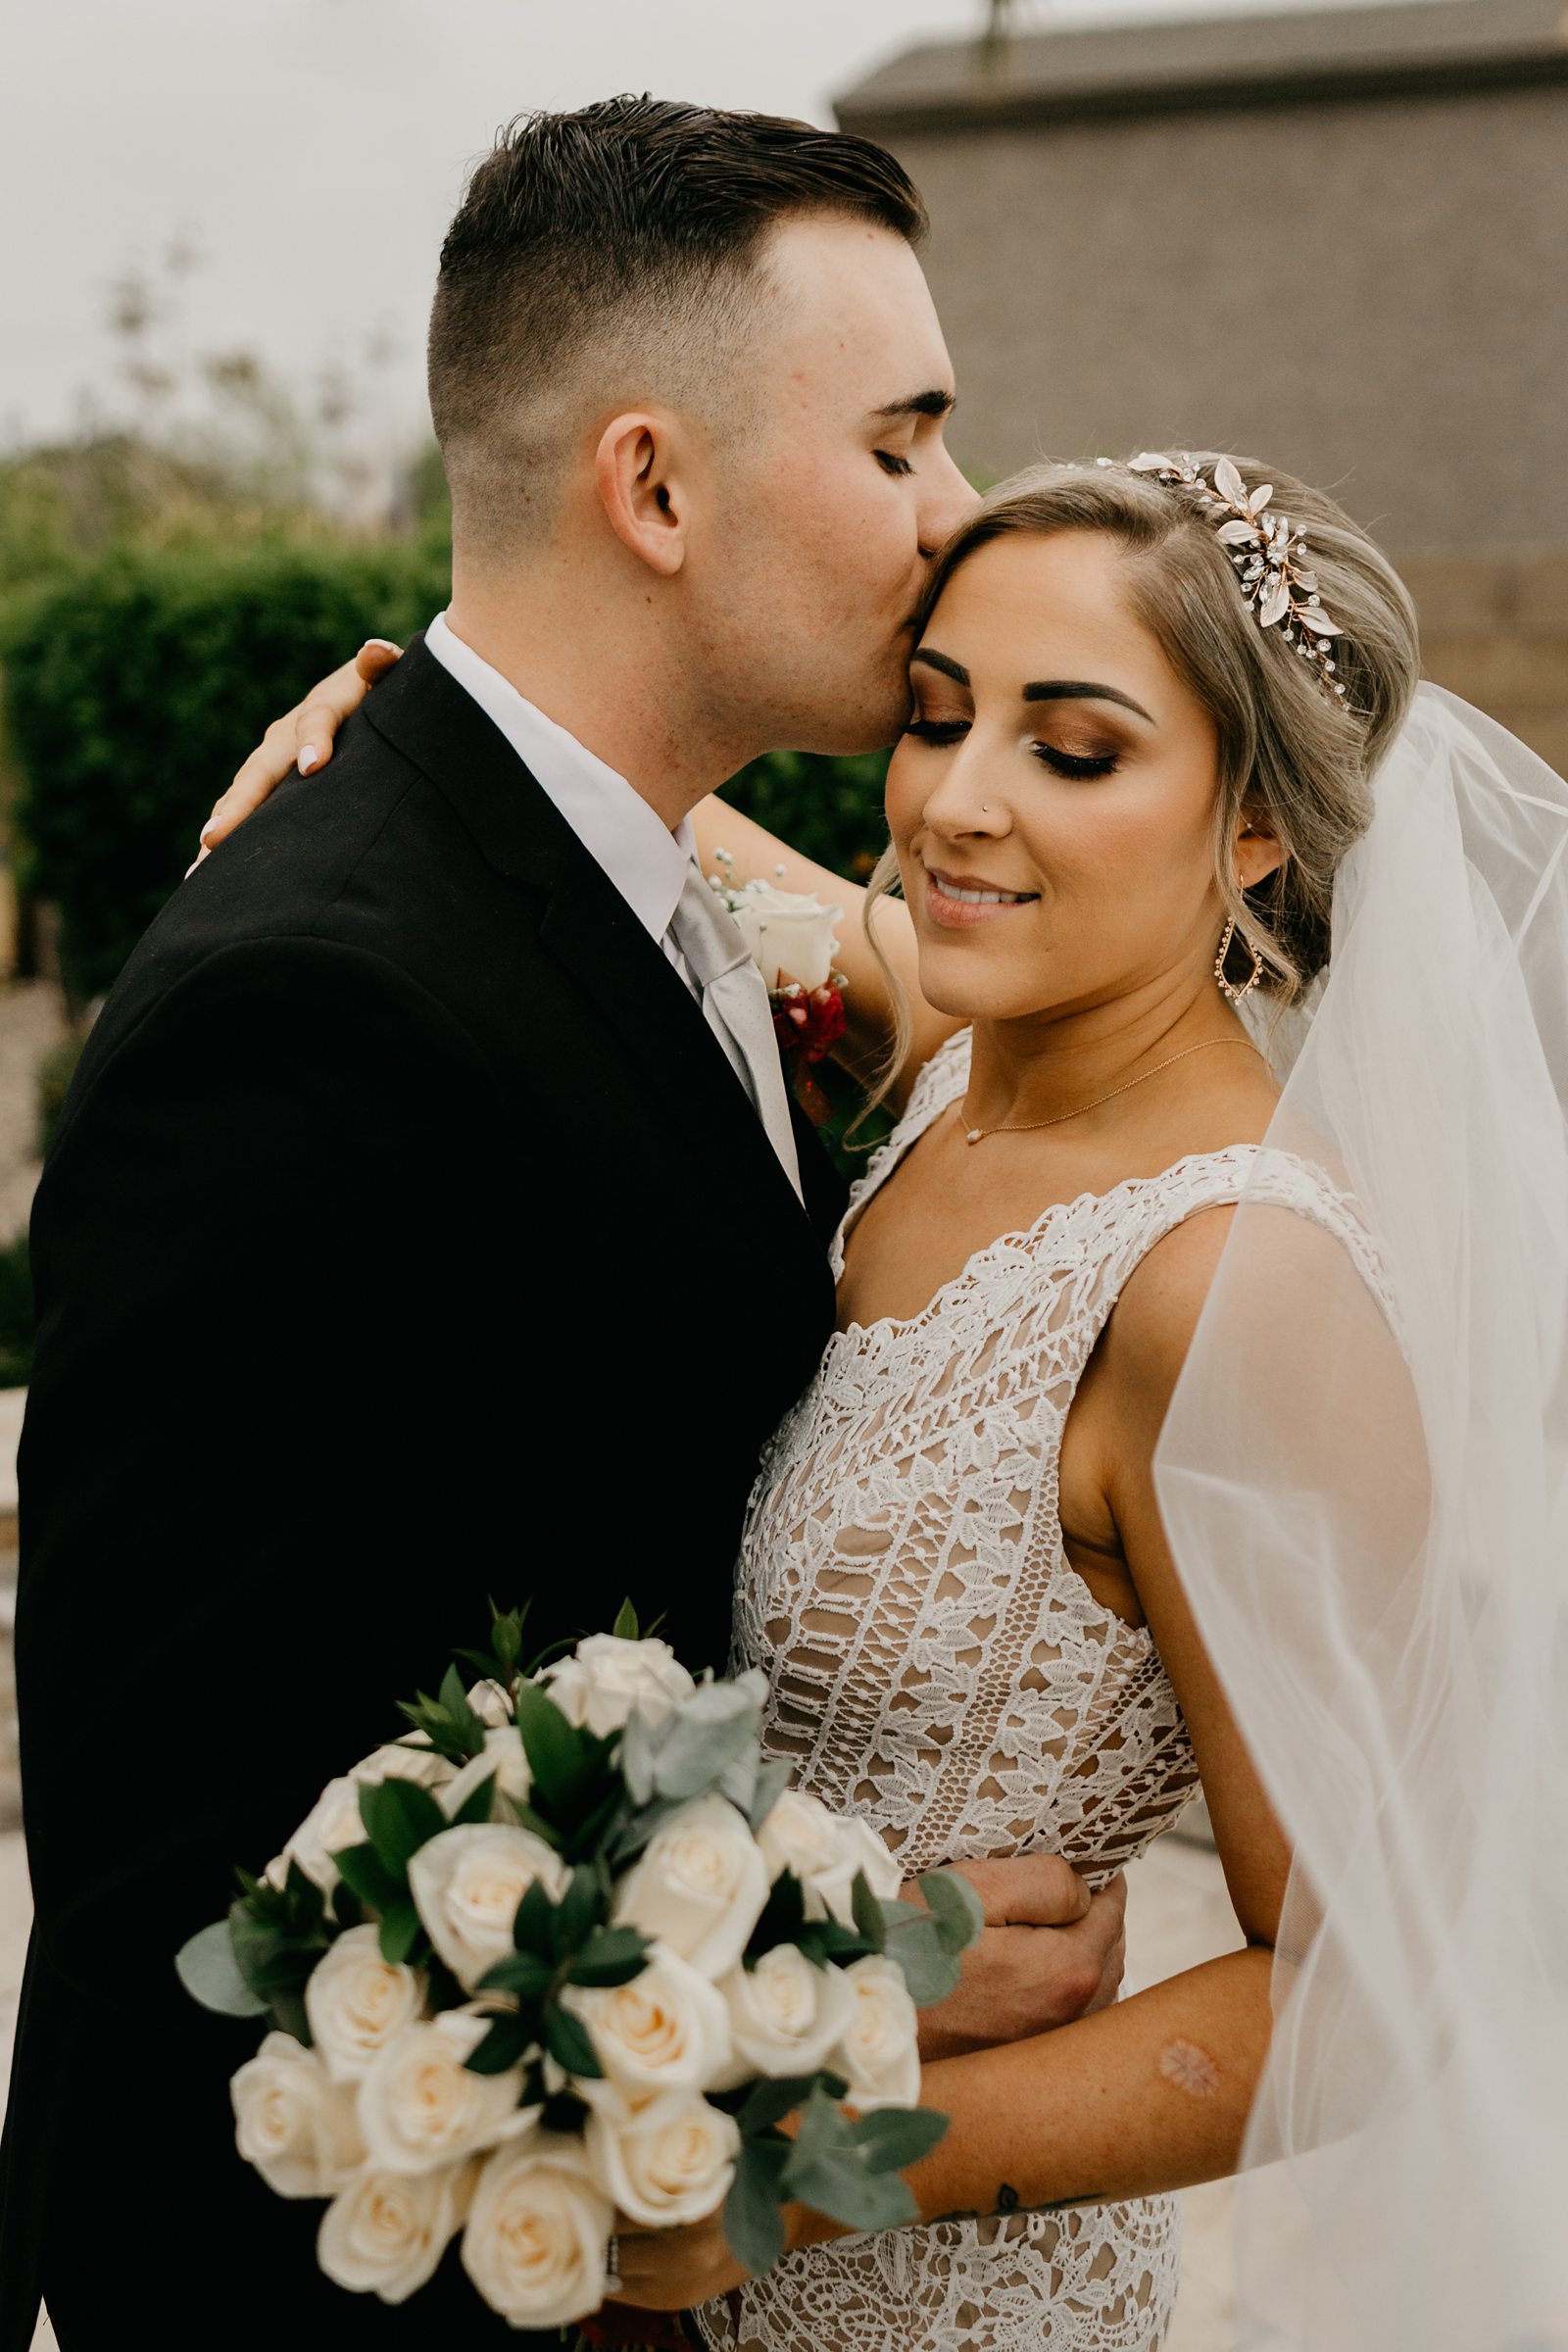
x=1075, y=763
x=944, y=733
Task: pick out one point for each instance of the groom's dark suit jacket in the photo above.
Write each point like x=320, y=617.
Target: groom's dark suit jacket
x=408, y=1238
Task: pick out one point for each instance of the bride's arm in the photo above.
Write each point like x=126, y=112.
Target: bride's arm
x=868, y=1006
x=1154, y=2093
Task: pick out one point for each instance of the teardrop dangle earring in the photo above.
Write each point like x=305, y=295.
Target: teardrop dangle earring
x=1228, y=988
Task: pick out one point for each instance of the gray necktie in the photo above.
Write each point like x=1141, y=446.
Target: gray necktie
x=735, y=1006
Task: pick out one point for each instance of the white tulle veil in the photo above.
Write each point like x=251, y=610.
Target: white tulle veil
x=1363, y=1483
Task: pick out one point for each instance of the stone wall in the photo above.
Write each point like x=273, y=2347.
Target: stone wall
x=1495, y=629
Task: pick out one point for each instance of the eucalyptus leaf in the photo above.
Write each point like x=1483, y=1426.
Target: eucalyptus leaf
x=211, y=1974
x=955, y=1906
x=752, y=2221
x=767, y=2102
x=772, y=1779
x=895, y=2136
x=702, y=1735
x=849, y=2192
x=929, y=1971
x=639, y=1754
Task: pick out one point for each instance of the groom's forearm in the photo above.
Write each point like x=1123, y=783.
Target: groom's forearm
x=1149, y=2095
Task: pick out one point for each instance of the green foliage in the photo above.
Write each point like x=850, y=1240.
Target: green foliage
x=135, y=685
x=828, y=810
x=55, y=1072
x=16, y=1315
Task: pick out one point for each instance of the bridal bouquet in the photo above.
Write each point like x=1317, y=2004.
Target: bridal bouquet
x=569, y=1949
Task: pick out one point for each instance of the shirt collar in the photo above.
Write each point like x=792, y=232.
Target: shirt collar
x=643, y=859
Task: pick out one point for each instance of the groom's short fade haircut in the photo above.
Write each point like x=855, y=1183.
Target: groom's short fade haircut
x=609, y=253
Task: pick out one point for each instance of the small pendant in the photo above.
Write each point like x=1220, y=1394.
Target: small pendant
x=976, y=1135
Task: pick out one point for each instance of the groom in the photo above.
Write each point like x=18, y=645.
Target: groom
x=429, y=1217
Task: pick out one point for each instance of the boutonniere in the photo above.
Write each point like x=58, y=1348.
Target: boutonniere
x=792, y=939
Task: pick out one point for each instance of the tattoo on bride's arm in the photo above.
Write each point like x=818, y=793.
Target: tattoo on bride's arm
x=1008, y=2200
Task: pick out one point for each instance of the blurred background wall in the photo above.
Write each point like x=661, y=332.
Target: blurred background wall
x=1336, y=240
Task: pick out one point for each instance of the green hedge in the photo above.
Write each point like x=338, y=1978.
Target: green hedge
x=134, y=688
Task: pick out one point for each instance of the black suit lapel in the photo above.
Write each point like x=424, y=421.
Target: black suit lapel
x=667, y=1052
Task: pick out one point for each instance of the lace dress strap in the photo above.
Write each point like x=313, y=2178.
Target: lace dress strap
x=941, y=1081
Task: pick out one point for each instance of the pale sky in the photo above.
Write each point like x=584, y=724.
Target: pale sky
x=311, y=151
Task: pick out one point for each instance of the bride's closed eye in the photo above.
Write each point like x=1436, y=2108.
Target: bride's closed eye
x=940, y=731
x=1075, y=763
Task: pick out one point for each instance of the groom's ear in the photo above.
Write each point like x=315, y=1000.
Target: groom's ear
x=642, y=489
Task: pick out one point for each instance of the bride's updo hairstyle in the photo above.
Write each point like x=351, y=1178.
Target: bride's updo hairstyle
x=1291, y=753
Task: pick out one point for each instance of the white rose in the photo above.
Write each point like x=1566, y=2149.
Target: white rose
x=503, y=1756
x=333, y=1823
x=604, y=1678
x=785, y=2013
x=490, y=1703
x=699, y=1887
x=879, y=2050
x=825, y=1850
x=670, y=2161
x=356, y=2002
x=419, y=1763
x=421, y=2105
x=387, y=2232
x=859, y=1849
x=292, y=2123
x=788, y=936
x=467, y=1883
x=667, y=2029
x=538, y=2232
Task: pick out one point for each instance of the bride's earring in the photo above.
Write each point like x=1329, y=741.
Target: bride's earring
x=1228, y=988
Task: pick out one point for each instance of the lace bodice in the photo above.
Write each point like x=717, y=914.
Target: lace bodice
x=935, y=1663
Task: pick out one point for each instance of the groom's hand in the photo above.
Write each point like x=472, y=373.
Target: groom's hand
x=1049, y=1952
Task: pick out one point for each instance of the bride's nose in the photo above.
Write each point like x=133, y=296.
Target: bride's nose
x=965, y=803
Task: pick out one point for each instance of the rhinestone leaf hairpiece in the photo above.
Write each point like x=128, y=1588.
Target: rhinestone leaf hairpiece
x=1268, y=551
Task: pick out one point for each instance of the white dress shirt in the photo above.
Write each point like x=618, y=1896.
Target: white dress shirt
x=622, y=833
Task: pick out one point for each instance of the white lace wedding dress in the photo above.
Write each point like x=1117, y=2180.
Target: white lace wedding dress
x=936, y=1664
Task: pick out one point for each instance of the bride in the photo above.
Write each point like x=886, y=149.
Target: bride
x=1180, y=1430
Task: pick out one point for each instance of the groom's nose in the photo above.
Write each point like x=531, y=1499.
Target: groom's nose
x=948, y=500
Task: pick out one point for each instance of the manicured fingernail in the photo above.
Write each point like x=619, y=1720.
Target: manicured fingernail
x=385, y=644
x=309, y=757
x=207, y=832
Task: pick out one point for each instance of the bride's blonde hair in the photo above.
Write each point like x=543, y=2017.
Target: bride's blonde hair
x=1291, y=755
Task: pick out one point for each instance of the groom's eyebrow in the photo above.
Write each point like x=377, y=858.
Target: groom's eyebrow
x=1077, y=690
x=934, y=403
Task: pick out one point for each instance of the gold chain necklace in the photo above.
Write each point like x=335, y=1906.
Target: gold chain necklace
x=977, y=1135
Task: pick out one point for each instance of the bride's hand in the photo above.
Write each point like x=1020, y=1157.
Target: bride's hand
x=302, y=739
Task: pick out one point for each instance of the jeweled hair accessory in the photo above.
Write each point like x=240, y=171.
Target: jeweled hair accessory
x=1268, y=551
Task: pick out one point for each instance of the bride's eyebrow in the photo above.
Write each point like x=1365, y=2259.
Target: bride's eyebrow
x=943, y=661
x=1076, y=690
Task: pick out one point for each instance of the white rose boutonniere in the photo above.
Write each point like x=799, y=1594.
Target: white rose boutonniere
x=699, y=1886
x=466, y=1885
x=788, y=936
x=607, y=1677
x=292, y=2123
x=538, y=2232
x=387, y=2232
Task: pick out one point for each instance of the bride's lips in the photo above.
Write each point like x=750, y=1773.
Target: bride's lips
x=958, y=901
